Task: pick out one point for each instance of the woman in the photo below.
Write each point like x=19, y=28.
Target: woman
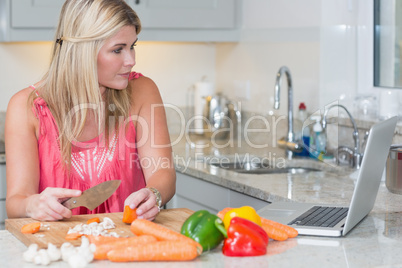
x=89, y=120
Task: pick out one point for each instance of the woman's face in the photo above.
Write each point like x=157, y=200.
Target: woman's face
x=116, y=58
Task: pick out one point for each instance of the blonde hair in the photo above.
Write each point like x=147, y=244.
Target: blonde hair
x=71, y=85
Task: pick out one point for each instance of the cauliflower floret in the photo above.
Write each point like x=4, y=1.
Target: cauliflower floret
x=67, y=250
x=74, y=256
x=53, y=252
x=77, y=260
x=42, y=257
x=78, y=256
x=31, y=252
x=77, y=229
x=108, y=223
x=95, y=228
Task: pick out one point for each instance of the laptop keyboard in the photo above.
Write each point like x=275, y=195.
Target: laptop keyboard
x=321, y=216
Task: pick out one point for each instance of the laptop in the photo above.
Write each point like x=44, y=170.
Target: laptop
x=338, y=221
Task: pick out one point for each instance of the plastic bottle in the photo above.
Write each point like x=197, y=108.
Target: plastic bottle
x=318, y=141
x=304, y=132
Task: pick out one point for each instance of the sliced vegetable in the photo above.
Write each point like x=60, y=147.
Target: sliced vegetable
x=102, y=249
x=96, y=219
x=245, y=212
x=146, y=227
x=245, y=238
x=31, y=228
x=73, y=236
x=201, y=227
x=178, y=250
x=129, y=214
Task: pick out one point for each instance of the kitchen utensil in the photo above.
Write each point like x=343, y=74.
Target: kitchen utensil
x=55, y=232
x=393, y=179
x=94, y=196
x=216, y=111
x=201, y=90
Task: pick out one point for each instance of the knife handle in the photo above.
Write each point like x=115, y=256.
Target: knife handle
x=70, y=203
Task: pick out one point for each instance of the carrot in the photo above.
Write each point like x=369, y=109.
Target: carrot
x=96, y=219
x=129, y=214
x=73, y=236
x=102, y=249
x=161, y=233
x=290, y=231
x=100, y=239
x=178, y=250
x=221, y=214
x=275, y=233
x=30, y=228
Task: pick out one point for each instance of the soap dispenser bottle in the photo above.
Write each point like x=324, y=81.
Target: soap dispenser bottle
x=318, y=141
x=303, y=134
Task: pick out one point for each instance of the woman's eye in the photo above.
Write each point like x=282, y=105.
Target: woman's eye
x=132, y=46
x=117, y=50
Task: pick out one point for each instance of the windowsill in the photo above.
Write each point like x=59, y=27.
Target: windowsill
x=366, y=124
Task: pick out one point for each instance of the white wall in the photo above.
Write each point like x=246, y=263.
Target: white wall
x=173, y=66
x=275, y=33
x=258, y=64
x=317, y=40
x=21, y=64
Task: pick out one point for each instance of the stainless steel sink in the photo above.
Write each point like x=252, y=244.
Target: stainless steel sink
x=262, y=168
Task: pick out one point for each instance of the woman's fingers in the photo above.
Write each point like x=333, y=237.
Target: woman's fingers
x=62, y=193
x=145, y=202
x=48, y=206
x=151, y=213
x=139, y=197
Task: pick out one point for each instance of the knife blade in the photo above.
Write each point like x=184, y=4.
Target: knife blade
x=94, y=196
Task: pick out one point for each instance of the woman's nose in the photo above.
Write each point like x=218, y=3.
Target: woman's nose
x=130, y=59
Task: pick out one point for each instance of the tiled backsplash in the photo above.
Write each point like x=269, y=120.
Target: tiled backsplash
x=267, y=129
x=260, y=129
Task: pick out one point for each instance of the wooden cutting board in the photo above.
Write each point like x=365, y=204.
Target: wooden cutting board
x=55, y=232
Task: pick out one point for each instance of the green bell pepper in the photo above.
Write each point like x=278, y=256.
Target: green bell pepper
x=204, y=228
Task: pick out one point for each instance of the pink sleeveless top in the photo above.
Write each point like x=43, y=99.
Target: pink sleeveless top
x=92, y=162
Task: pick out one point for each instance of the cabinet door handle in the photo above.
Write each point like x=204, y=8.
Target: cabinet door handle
x=137, y=2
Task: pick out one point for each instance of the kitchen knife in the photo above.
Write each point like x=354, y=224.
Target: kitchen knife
x=94, y=196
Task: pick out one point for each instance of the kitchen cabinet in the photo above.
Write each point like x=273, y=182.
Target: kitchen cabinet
x=26, y=20
x=197, y=194
x=162, y=20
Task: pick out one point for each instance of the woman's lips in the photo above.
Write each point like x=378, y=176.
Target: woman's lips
x=125, y=75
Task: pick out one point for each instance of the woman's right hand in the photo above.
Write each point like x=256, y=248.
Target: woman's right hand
x=47, y=206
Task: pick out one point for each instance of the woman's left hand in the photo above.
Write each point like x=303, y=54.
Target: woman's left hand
x=145, y=202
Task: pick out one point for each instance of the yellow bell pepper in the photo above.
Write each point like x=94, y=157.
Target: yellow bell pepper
x=245, y=212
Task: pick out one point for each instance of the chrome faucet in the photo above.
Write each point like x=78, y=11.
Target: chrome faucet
x=357, y=156
x=290, y=136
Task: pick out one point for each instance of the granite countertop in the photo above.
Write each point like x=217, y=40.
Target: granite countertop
x=375, y=242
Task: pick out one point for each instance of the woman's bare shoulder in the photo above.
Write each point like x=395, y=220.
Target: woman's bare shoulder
x=143, y=85
x=144, y=92
x=144, y=89
x=20, y=98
